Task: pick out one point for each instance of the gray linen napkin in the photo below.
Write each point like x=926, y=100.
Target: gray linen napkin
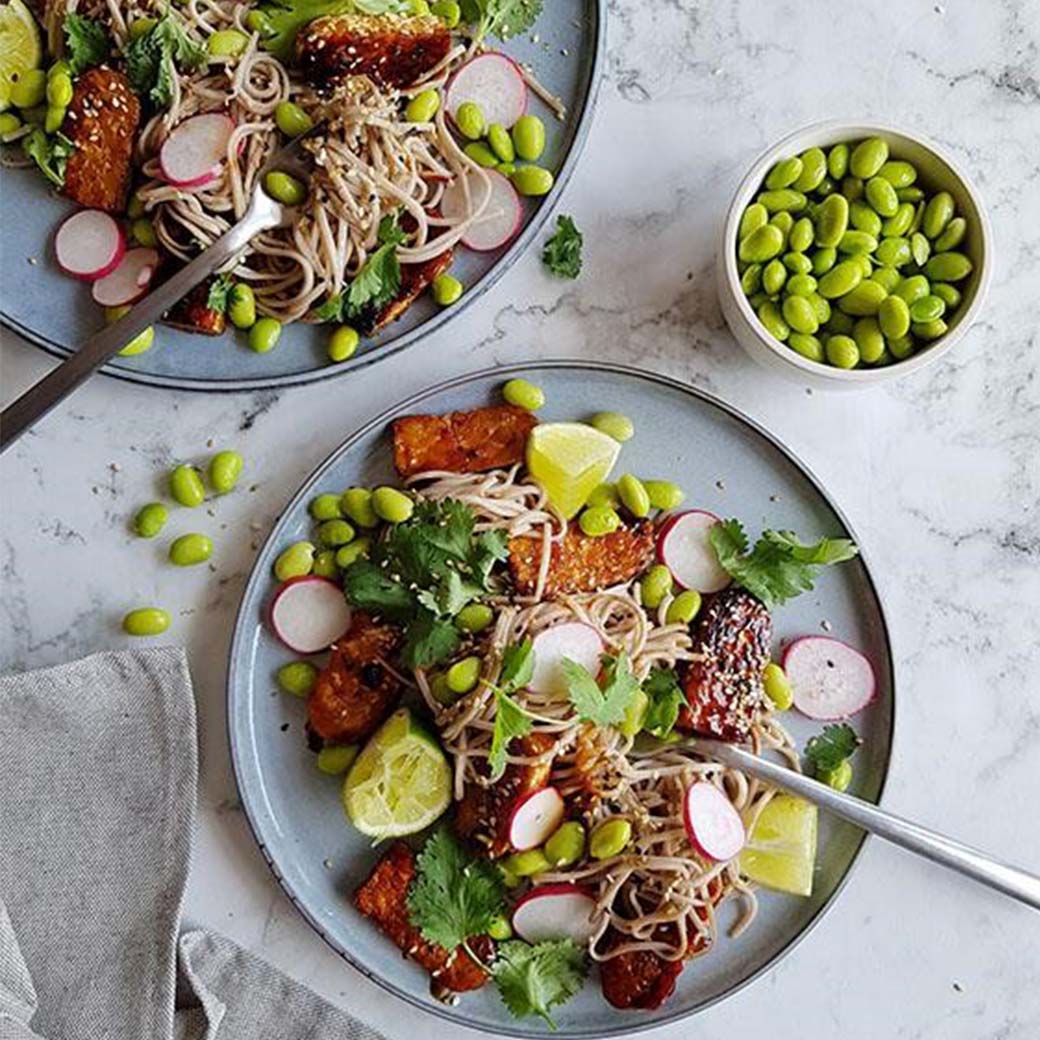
x=97, y=798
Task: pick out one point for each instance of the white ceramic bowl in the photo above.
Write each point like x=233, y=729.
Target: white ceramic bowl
x=937, y=171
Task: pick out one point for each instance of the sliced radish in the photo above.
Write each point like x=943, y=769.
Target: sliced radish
x=713, y=825
x=89, y=245
x=500, y=218
x=558, y=911
x=829, y=679
x=572, y=640
x=309, y=614
x=686, y=550
x=535, y=817
x=194, y=153
x=129, y=281
x=494, y=82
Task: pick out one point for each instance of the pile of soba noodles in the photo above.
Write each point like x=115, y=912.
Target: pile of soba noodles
x=367, y=161
x=659, y=880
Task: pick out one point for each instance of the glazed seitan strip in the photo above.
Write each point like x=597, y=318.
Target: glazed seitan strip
x=581, y=563
x=101, y=122
x=383, y=899
x=355, y=692
x=462, y=442
x=482, y=816
x=392, y=50
x=193, y=314
x=414, y=279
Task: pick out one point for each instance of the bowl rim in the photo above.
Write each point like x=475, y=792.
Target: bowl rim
x=853, y=128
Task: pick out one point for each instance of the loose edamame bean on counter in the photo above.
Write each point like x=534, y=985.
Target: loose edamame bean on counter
x=224, y=470
x=150, y=519
x=146, y=621
x=523, y=394
x=841, y=249
x=186, y=486
x=190, y=549
x=615, y=425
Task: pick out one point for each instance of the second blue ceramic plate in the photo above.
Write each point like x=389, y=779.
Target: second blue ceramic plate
x=565, y=50
x=727, y=465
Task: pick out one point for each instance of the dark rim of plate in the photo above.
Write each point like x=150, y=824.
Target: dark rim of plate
x=626, y=1025
x=378, y=352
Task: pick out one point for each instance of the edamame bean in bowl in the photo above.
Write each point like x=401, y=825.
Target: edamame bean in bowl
x=852, y=254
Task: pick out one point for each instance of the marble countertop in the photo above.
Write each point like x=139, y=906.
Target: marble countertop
x=940, y=474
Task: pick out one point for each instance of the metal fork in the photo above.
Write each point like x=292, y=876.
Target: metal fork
x=1012, y=881
x=262, y=214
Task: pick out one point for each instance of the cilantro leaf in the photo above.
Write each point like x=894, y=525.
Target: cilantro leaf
x=501, y=18
x=517, y=666
x=510, y=721
x=562, y=253
x=153, y=58
x=454, y=896
x=376, y=284
x=830, y=748
x=665, y=699
x=285, y=18
x=86, y=42
x=370, y=587
x=607, y=706
x=219, y=289
x=50, y=153
x=780, y=566
x=490, y=548
x=533, y=979
x=428, y=641
x=450, y=595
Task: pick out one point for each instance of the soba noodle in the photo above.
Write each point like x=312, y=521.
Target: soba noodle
x=659, y=880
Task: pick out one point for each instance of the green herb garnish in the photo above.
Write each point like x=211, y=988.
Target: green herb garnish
x=510, y=719
x=606, y=706
x=86, y=42
x=665, y=699
x=285, y=18
x=562, y=253
x=501, y=18
x=50, y=153
x=779, y=567
x=533, y=979
x=219, y=289
x=830, y=748
x=154, y=57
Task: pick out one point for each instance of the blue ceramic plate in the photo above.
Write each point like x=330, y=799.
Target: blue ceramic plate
x=56, y=313
x=727, y=465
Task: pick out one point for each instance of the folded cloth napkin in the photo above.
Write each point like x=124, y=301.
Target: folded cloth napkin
x=97, y=799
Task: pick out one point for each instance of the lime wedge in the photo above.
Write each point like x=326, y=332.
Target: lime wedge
x=20, y=46
x=401, y=781
x=781, y=850
x=569, y=460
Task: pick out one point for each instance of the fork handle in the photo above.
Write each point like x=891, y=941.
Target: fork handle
x=40, y=398
x=1012, y=881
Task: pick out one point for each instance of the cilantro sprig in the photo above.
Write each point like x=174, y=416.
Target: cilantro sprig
x=154, y=58
x=602, y=705
x=423, y=573
x=285, y=18
x=827, y=750
x=219, y=290
x=86, y=42
x=501, y=18
x=456, y=897
x=510, y=719
x=50, y=153
x=376, y=284
x=780, y=566
x=665, y=698
x=562, y=252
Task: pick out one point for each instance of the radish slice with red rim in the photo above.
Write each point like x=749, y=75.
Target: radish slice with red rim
x=574, y=641
x=685, y=549
x=194, y=153
x=309, y=614
x=534, y=818
x=558, y=911
x=498, y=221
x=713, y=825
x=492, y=81
x=129, y=281
x=89, y=245
x=829, y=679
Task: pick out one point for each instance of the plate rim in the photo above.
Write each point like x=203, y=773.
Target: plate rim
x=431, y=326
x=625, y=1026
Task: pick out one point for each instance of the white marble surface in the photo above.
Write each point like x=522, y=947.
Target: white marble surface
x=940, y=474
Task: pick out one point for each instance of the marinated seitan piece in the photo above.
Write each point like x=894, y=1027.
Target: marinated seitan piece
x=193, y=314
x=581, y=563
x=392, y=50
x=414, y=279
x=463, y=442
x=355, y=692
x=383, y=899
x=724, y=688
x=639, y=979
x=102, y=123
x=483, y=815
